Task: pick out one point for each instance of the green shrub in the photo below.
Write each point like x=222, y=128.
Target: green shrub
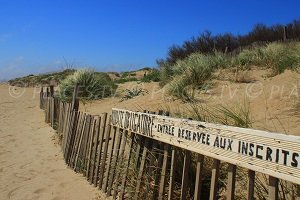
x=124, y=80
x=92, y=85
x=154, y=75
x=276, y=56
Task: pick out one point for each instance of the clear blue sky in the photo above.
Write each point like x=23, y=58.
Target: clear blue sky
x=112, y=35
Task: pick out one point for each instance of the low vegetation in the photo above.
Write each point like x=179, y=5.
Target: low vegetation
x=207, y=43
x=188, y=75
x=93, y=85
x=129, y=94
x=41, y=79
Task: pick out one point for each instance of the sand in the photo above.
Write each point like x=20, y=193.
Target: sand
x=31, y=164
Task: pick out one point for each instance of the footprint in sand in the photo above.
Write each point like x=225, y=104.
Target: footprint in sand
x=23, y=177
x=39, y=191
x=11, y=192
x=25, y=165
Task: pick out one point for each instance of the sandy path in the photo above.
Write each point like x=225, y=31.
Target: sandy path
x=31, y=165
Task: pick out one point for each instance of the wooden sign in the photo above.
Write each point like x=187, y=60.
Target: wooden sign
x=274, y=154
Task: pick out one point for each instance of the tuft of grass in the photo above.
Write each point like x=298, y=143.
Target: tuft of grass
x=238, y=115
x=92, y=85
x=192, y=73
x=129, y=94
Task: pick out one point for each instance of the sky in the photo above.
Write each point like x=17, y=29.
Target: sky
x=118, y=35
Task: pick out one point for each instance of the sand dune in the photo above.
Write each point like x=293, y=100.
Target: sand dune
x=31, y=164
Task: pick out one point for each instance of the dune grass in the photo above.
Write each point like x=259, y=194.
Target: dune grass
x=93, y=85
x=188, y=75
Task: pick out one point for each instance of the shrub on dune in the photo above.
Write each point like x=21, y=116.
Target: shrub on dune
x=92, y=85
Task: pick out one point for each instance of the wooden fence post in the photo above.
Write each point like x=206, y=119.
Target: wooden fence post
x=172, y=174
x=75, y=100
x=41, y=98
x=163, y=173
x=273, y=188
x=231, y=181
x=251, y=182
x=199, y=173
x=214, y=180
x=185, y=174
x=51, y=90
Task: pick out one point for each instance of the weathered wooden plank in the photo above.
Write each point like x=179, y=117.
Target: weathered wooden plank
x=185, y=174
x=273, y=188
x=214, y=180
x=77, y=127
x=126, y=164
x=109, y=159
x=99, y=149
x=90, y=146
x=119, y=165
x=139, y=141
x=231, y=182
x=41, y=98
x=70, y=135
x=172, y=174
x=80, y=124
x=141, y=170
x=77, y=157
x=108, y=130
x=163, y=174
x=85, y=144
x=251, y=184
x=94, y=152
x=199, y=173
x=67, y=113
x=120, y=135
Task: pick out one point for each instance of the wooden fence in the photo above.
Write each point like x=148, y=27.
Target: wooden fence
x=131, y=155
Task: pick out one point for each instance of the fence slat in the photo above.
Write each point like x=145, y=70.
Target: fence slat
x=172, y=174
x=80, y=143
x=163, y=174
x=251, y=182
x=85, y=144
x=90, y=146
x=159, y=147
x=94, y=151
x=273, y=188
x=231, y=181
x=119, y=135
x=214, y=180
x=139, y=142
x=199, y=173
x=107, y=130
x=119, y=164
x=81, y=118
x=141, y=170
x=185, y=174
x=109, y=159
x=99, y=149
x=127, y=159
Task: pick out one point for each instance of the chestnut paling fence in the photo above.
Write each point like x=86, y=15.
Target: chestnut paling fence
x=128, y=165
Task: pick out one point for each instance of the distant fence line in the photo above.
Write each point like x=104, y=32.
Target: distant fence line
x=105, y=147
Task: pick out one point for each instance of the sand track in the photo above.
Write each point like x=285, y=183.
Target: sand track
x=31, y=165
